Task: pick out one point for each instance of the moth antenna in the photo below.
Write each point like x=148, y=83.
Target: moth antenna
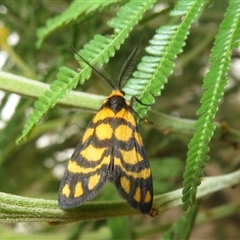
x=128, y=65
x=97, y=70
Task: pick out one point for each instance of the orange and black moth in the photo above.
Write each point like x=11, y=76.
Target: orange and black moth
x=111, y=149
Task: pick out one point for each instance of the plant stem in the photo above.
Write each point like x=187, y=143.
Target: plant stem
x=23, y=209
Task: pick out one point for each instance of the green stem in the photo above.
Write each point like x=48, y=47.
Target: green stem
x=176, y=125
x=209, y=185
x=34, y=89
x=23, y=209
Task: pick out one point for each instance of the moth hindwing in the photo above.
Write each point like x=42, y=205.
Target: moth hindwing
x=111, y=149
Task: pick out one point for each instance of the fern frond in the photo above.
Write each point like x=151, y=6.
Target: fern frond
x=66, y=80
x=99, y=50
x=236, y=37
x=75, y=11
x=214, y=85
x=153, y=70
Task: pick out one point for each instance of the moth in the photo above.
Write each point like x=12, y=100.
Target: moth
x=111, y=149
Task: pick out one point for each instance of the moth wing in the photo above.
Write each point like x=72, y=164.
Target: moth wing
x=132, y=173
x=87, y=169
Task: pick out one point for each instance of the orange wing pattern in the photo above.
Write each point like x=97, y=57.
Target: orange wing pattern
x=111, y=149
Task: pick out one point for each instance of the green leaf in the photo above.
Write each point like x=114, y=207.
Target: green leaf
x=66, y=79
x=214, y=85
x=76, y=11
x=164, y=47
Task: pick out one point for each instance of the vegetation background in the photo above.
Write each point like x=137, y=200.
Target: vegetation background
x=36, y=49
